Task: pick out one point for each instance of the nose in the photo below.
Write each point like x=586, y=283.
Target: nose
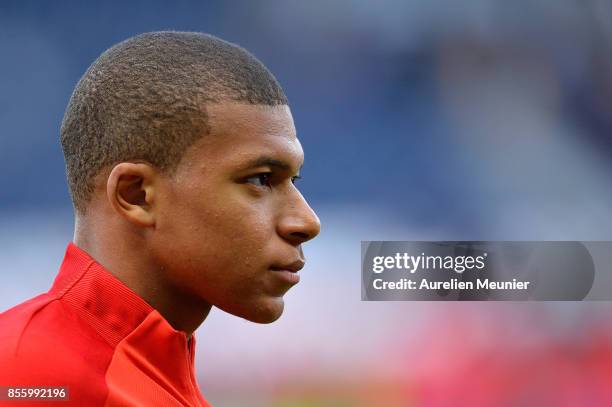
x=299, y=223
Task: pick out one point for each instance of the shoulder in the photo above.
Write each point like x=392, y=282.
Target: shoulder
x=44, y=344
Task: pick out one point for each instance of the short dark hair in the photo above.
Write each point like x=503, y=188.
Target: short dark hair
x=145, y=98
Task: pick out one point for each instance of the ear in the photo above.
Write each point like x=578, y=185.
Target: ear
x=130, y=189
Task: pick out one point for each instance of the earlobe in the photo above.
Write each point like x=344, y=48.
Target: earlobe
x=130, y=191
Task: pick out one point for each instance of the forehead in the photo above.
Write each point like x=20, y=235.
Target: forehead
x=239, y=118
x=241, y=133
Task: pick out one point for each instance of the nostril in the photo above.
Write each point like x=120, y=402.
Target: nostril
x=300, y=235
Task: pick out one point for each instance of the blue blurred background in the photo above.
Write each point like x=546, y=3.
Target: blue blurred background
x=420, y=120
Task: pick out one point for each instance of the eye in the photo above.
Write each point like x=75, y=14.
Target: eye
x=295, y=178
x=260, y=180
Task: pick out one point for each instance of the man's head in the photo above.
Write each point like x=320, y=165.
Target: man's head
x=145, y=98
x=186, y=144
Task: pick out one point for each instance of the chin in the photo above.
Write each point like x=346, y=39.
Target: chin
x=266, y=312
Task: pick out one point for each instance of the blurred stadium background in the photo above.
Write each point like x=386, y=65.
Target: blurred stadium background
x=420, y=120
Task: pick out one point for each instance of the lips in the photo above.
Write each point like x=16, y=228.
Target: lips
x=293, y=267
x=289, y=271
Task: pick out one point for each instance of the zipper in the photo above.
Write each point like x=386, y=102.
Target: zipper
x=190, y=359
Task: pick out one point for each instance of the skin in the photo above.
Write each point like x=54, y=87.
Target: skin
x=218, y=231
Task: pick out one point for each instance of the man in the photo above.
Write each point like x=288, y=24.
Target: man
x=181, y=158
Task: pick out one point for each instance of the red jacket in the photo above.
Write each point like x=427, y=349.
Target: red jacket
x=95, y=336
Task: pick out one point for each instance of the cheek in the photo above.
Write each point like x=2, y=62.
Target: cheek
x=224, y=242
x=220, y=251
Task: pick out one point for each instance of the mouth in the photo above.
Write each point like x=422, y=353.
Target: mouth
x=289, y=271
x=293, y=267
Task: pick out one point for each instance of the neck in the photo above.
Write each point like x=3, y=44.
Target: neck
x=126, y=258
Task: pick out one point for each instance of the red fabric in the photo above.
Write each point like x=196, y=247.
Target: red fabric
x=94, y=335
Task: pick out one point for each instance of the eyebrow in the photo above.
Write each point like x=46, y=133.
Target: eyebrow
x=270, y=162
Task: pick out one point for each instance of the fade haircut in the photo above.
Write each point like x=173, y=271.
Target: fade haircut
x=145, y=99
